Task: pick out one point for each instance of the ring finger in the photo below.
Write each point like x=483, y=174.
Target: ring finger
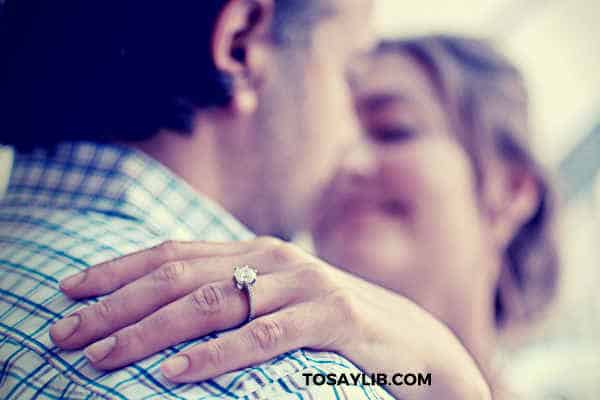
x=147, y=294
x=213, y=307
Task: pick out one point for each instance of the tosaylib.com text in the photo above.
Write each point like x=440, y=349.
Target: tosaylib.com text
x=376, y=379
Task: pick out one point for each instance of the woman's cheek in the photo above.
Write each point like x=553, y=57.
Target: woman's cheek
x=450, y=174
x=451, y=219
x=434, y=177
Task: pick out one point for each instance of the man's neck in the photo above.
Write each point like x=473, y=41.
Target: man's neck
x=202, y=158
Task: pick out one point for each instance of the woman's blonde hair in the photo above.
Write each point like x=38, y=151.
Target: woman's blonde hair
x=486, y=100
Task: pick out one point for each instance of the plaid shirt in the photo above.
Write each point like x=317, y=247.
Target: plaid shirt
x=82, y=205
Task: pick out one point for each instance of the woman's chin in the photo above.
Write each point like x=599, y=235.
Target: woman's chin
x=377, y=252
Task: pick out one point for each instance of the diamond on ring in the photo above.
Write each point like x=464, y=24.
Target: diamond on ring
x=244, y=276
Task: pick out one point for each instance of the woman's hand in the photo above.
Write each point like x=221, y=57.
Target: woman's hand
x=184, y=290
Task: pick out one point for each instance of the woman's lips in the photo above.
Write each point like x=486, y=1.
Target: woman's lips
x=362, y=218
x=358, y=213
x=341, y=203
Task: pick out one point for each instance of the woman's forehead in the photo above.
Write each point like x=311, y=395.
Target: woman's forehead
x=391, y=80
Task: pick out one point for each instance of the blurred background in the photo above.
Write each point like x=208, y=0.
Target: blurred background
x=557, y=45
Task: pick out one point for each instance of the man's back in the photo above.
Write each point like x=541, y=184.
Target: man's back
x=89, y=203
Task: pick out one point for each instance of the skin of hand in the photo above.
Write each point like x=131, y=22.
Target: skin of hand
x=299, y=302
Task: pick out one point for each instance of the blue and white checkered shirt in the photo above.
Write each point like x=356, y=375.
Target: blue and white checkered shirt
x=82, y=205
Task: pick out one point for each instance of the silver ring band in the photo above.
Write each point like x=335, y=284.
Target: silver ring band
x=250, y=293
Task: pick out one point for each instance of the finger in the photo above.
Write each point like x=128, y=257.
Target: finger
x=256, y=342
x=109, y=276
x=147, y=294
x=214, y=307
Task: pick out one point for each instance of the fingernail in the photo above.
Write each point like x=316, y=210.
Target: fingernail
x=65, y=328
x=175, y=366
x=99, y=350
x=72, y=281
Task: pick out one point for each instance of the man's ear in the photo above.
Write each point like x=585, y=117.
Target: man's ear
x=512, y=196
x=239, y=47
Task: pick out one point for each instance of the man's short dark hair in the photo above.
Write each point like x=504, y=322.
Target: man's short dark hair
x=114, y=70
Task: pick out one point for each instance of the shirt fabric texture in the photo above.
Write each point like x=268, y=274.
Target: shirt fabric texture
x=87, y=203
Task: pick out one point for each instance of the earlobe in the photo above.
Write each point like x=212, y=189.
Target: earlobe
x=245, y=101
x=514, y=204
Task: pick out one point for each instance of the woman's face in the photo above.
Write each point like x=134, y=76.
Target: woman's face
x=411, y=221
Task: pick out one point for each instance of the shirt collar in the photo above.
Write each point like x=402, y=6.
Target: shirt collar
x=120, y=181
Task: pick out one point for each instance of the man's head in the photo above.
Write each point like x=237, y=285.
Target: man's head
x=127, y=71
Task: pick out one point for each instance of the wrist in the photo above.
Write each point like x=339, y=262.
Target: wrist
x=460, y=378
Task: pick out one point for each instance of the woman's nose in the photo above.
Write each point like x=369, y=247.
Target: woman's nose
x=360, y=161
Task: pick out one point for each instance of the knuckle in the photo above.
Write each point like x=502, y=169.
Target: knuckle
x=104, y=310
x=285, y=253
x=266, y=334
x=134, y=335
x=168, y=250
x=268, y=241
x=209, y=299
x=170, y=273
x=312, y=276
x=344, y=303
x=215, y=353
